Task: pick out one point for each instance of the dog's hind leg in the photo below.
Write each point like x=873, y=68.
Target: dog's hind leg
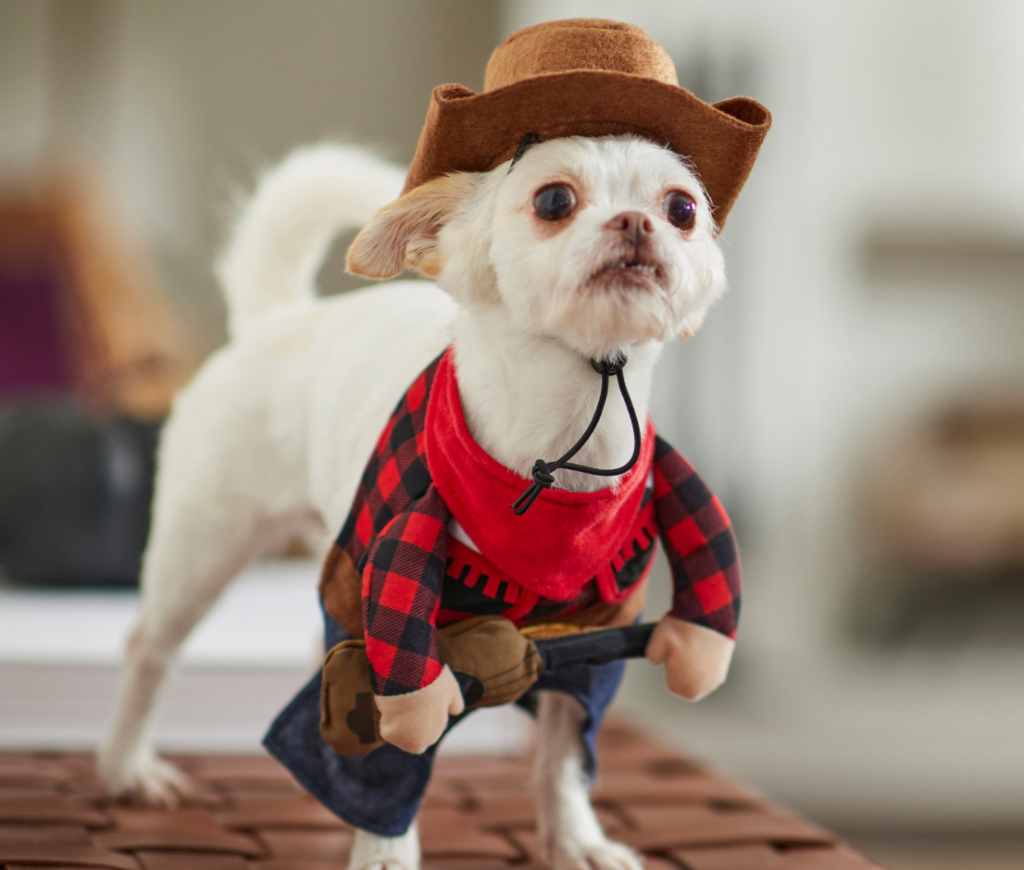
x=568, y=829
x=191, y=558
x=219, y=493
x=185, y=572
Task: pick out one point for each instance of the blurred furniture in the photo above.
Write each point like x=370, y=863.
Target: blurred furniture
x=948, y=497
x=942, y=531
x=80, y=310
x=90, y=358
x=478, y=813
x=920, y=247
x=75, y=494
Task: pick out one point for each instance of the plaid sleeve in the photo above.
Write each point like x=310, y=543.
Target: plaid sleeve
x=699, y=544
x=401, y=596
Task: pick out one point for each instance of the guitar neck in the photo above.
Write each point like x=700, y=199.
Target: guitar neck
x=595, y=647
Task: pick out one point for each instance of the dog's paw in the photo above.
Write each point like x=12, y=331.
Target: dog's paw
x=150, y=782
x=373, y=852
x=603, y=855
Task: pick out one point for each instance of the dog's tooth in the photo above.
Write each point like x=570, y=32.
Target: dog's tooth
x=642, y=267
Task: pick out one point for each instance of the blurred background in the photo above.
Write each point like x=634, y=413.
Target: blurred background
x=857, y=400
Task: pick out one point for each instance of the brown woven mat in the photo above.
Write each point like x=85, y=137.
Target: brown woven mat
x=478, y=815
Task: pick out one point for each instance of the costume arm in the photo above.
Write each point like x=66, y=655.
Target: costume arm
x=699, y=543
x=401, y=596
x=695, y=639
x=416, y=692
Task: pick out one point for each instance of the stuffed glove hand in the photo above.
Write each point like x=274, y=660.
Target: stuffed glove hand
x=696, y=658
x=416, y=720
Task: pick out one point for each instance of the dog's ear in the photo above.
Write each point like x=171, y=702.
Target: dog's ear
x=404, y=234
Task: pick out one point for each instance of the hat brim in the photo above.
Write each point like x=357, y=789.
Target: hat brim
x=470, y=132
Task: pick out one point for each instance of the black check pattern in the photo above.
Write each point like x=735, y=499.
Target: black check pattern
x=396, y=474
x=402, y=594
x=699, y=542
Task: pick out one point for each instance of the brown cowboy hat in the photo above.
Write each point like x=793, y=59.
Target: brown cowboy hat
x=588, y=77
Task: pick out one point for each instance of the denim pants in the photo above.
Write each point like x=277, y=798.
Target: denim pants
x=381, y=791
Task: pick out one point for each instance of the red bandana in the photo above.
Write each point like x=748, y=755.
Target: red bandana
x=563, y=540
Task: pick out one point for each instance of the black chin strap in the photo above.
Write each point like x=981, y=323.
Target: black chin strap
x=543, y=472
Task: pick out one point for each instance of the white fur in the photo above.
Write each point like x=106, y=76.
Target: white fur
x=273, y=433
x=569, y=833
x=373, y=852
x=285, y=230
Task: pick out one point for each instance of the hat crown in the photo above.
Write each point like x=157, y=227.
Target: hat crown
x=578, y=44
x=588, y=77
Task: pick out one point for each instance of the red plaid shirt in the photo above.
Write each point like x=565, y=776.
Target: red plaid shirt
x=420, y=569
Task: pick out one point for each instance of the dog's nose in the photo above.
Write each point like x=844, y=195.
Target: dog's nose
x=634, y=225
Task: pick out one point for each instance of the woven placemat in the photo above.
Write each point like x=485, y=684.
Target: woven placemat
x=478, y=815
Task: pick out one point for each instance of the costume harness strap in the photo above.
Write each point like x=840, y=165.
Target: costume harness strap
x=543, y=472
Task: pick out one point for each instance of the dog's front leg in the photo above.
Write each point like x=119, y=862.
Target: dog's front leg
x=374, y=852
x=569, y=832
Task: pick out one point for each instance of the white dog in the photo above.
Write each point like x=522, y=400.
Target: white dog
x=273, y=433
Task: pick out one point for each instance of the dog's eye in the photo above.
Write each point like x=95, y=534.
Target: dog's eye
x=554, y=202
x=681, y=209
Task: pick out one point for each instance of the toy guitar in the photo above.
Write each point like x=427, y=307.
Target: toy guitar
x=494, y=662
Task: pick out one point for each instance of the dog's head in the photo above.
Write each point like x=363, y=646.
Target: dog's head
x=598, y=242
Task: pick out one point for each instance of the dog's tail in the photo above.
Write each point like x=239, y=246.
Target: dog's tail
x=288, y=225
